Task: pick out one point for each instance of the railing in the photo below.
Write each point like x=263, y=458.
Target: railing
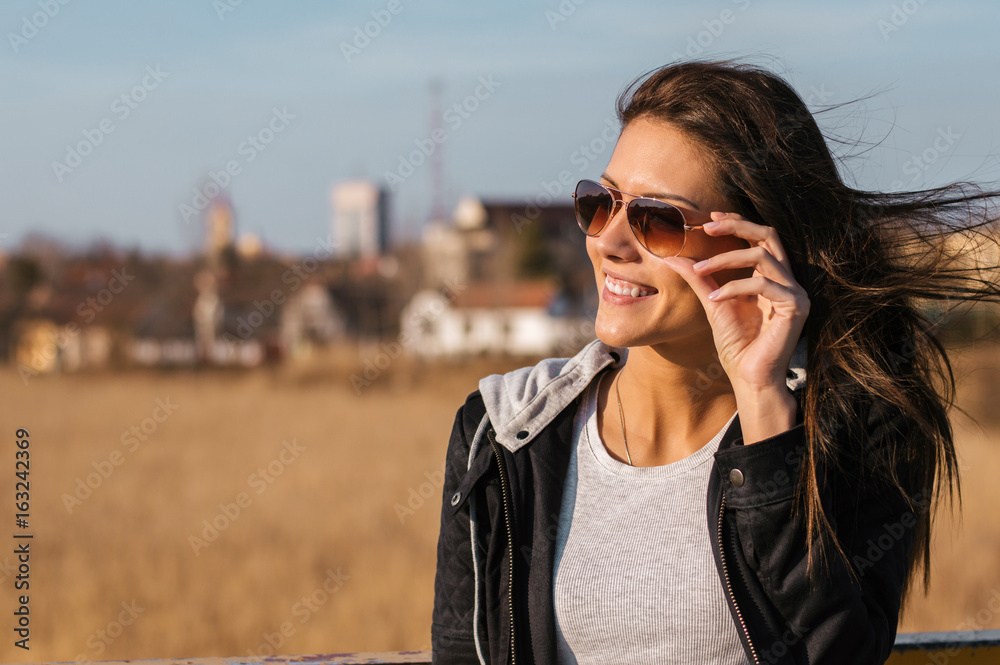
x=958, y=648
x=980, y=647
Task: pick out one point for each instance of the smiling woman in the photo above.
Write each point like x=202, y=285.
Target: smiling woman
x=658, y=162
x=704, y=482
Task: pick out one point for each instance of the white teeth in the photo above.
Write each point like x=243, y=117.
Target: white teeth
x=618, y=289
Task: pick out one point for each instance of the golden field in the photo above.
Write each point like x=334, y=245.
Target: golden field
x=320, y=476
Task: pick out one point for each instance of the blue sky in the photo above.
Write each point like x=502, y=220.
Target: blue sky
x=228, y=70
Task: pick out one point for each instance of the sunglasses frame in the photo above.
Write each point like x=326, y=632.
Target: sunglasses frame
x=619, y=202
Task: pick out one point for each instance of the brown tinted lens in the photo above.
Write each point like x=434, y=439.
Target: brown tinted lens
x=658, y=226
x=593, y=206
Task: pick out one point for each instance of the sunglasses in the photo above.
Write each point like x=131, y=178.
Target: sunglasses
x=658, y=226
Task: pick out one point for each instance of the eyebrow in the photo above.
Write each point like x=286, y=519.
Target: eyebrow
x=654, y=195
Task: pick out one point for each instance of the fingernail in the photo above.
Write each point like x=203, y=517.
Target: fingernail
x=701, y=264
x=710, y=225
x=714, y=294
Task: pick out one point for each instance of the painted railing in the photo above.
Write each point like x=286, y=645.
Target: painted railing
x=980, y=647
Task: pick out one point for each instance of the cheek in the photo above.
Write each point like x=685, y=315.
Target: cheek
x=595, y=258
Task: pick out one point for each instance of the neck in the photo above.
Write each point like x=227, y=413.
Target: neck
x=673, y=401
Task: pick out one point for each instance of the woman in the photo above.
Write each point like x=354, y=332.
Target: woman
x=742, y=467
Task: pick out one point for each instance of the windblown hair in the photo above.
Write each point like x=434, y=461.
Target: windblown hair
x=877, y=268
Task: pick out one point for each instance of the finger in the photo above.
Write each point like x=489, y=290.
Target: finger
x=756, y=234
x=758, y=258
x=789, y=302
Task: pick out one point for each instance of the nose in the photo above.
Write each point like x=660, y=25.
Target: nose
x=617, y=240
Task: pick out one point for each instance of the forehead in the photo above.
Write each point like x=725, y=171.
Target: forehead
x=654, y=158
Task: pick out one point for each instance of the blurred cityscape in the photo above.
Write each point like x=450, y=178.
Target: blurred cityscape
x=489, y=278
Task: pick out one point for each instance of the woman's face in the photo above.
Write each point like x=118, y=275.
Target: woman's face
x=655, y=160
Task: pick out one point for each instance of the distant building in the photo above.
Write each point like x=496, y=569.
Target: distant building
x=249, y=246
x=491, y=319
x=460, y=252
x=206, y=314
x=220, y=227
x=42, y=347
x=310, y=317
x=360, y=219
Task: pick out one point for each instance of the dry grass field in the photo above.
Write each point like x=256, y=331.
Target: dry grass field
x=320, y=558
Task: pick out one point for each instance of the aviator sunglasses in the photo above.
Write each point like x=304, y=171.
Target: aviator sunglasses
x=658, y=226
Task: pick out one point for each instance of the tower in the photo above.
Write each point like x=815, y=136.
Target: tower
x=220, y=227
x=438, y=208
x=360, y=218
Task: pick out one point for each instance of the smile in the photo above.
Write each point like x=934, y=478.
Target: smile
x=622, y=288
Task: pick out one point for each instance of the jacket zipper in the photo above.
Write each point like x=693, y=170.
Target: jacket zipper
x=510, y=543
x=729, y=586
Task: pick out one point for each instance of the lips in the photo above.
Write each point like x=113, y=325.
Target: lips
x=624, y=287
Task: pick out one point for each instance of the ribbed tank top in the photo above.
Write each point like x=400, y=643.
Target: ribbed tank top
x=634, y=578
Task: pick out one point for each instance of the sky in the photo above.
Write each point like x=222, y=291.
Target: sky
x=117, y=116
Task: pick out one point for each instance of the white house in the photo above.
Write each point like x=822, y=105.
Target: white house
x=482, y=319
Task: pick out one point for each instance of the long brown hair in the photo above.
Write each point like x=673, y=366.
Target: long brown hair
x=870, y=262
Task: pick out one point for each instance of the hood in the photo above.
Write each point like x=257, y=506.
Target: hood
x=523, y=402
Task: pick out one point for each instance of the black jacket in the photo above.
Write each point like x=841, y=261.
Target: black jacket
x=506, y=463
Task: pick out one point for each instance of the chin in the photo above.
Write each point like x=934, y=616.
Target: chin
x=625, y=334
x=616, y=336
